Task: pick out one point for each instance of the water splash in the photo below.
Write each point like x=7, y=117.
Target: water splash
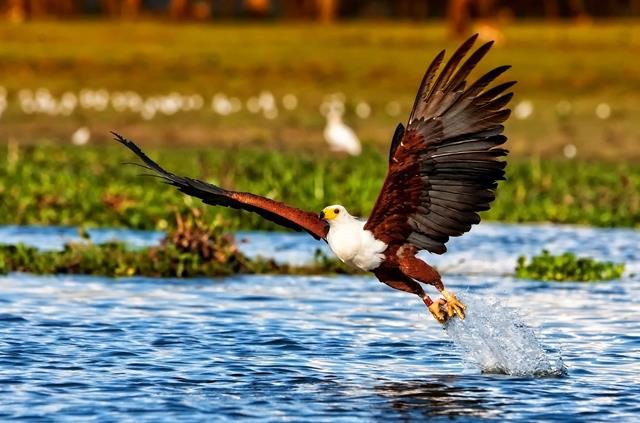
x=496, y=339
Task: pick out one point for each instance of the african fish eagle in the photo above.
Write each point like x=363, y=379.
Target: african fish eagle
x=444, y=168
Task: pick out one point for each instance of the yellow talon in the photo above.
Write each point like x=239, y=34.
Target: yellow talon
x=436, y=310
x=454, y=306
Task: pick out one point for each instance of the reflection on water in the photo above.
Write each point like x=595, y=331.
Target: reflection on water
x=311, y=348
x=440, y=396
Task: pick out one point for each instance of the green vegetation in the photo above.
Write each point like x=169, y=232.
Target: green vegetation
x=167, y=260
x=576, y=67
x=567, y=267
x=90, y=187
x=192, y=249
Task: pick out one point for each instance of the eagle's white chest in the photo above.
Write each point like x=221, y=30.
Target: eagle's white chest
x=356, y=246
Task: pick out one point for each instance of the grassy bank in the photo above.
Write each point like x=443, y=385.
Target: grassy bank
x=195, y=247
x=191, y=248
x=565, y=71
x=167, y=261
x=90, y=186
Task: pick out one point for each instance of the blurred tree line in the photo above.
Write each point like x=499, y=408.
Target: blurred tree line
x=458, y=11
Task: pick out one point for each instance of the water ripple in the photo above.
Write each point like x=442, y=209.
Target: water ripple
x=316, y=348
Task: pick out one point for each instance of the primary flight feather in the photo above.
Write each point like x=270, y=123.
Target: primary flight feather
x=443, y=170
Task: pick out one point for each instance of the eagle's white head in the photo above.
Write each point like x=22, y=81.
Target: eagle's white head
x=335, y=214
x=348, y=239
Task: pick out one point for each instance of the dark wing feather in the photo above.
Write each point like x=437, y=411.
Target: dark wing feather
x=275, y=211
x=395, y=141
x=445, y=167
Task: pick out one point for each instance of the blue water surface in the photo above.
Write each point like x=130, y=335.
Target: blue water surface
x=321, y=348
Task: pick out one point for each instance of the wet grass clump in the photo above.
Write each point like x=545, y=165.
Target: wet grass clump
x=193, y=248
x=567, y=267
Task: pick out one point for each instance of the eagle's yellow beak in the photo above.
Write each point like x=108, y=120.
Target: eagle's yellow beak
x=328, y=213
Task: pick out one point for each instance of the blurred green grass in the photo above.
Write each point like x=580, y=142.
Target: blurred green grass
x=43, y=180
x=377, y=62
x=90, y=186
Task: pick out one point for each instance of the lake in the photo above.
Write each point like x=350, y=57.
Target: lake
x=320, y=348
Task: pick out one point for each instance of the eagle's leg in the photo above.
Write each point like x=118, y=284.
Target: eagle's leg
x=395, y=279
x=417, y=269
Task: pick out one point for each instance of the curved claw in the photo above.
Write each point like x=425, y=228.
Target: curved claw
x=454, y=306
x=438, y=311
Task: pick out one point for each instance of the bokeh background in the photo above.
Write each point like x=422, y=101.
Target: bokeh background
x=187, y=323
x=235, y=92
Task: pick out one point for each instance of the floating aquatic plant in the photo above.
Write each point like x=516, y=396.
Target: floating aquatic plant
x=567, y=267
x=193, y=248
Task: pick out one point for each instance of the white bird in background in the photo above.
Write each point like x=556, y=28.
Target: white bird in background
x=339, y=136
x=81, y=136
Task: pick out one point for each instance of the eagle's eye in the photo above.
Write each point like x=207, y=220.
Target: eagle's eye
x=336, y=211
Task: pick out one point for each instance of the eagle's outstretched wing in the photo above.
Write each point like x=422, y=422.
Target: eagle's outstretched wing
x=444, y=167
x=274, y=211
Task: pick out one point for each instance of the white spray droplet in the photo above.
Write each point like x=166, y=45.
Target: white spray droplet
x=498, y=341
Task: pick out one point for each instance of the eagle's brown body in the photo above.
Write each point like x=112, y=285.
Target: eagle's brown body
x=443, y=170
